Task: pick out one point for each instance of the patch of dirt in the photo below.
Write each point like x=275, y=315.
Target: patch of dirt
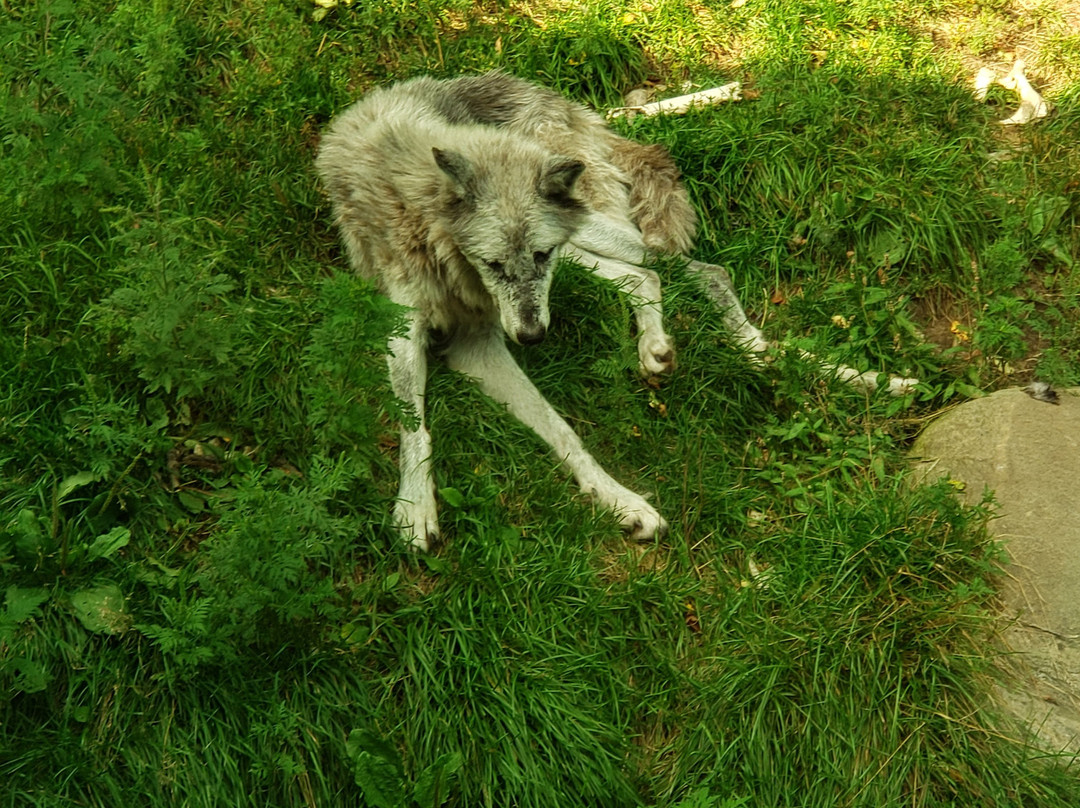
x=948, y=321
x=623, y=558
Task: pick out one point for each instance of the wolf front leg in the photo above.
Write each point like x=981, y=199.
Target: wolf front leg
x=416, y=515
x=486, y=359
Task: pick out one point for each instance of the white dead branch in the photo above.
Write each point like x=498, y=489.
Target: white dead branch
x=681, y=103
x=1032, y=106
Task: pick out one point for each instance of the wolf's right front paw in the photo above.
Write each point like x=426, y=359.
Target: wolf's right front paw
x=417, y=523
x=901, y=386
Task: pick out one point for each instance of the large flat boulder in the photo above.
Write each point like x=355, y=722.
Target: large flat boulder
x=1028, y=452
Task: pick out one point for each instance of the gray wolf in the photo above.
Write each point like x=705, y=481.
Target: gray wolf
x=459, y=197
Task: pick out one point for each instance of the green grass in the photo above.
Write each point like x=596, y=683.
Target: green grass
x=202, y=602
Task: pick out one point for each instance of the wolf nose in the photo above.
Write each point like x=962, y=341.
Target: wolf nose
x=531, y=335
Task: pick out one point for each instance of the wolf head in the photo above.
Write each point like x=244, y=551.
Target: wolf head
x=511, y=207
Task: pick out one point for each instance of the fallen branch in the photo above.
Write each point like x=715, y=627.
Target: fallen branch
x=681, y=103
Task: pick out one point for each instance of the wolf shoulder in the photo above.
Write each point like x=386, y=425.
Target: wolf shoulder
x=383, y=132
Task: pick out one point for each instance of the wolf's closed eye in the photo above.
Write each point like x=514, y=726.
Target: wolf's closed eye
x=542, y=257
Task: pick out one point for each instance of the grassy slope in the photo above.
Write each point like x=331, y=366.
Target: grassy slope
x=201, y=595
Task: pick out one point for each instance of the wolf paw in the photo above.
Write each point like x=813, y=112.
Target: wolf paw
x=753, y=341
x=656, y=354
x=642, y=521
x=637, y=517
x=901, y=386
x=417, y=522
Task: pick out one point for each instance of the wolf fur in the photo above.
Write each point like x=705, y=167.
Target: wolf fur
x=458, y=197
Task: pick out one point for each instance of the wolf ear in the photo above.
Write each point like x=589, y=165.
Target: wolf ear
x=457, y=167
x=558, y=180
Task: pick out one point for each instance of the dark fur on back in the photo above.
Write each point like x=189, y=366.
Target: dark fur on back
x=492, y=99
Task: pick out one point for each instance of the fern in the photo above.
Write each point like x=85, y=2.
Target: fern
x=62, y=155
x=175, y=321
x=344, y=358
x=265, y=577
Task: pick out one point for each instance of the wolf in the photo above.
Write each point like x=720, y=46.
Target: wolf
x=459, y=197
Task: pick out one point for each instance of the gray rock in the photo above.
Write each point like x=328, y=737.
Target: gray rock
x=1028, y=452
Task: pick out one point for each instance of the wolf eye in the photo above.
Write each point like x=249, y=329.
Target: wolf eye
x=495, y=266
x=542, y=257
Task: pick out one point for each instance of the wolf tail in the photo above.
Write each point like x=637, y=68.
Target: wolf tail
x=659, y=204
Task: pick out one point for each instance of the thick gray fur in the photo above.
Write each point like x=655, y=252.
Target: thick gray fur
x=458, y=197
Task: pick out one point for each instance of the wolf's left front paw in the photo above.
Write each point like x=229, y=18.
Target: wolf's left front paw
x=637, y=517
x=416, y=518
x=656, y=353
x=642, y=521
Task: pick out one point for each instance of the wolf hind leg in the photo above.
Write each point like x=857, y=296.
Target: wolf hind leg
x=485, y=358
x=717, y=285
x=613, y=249
x=656, y=350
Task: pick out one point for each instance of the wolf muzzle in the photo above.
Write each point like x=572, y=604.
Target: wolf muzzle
x=526, y=325
x=530, y=333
